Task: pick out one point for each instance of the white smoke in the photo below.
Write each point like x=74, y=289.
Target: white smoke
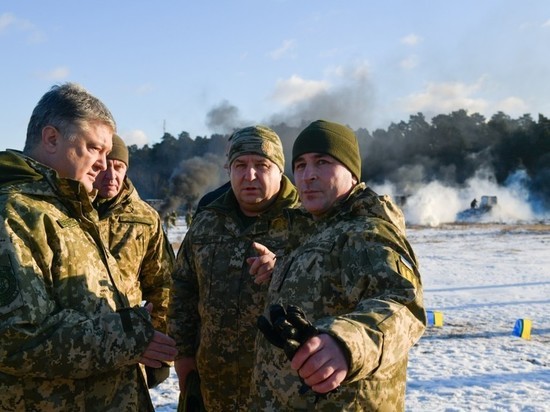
x=435, y=203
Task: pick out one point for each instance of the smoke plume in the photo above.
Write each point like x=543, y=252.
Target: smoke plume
x=191, y=179
x=224, y=118
x=350, y=102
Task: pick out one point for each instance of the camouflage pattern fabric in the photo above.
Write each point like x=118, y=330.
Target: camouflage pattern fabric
x=260, y=140
x=68, y=340
x=214, y=300
x=133, y=230
x=355, y=276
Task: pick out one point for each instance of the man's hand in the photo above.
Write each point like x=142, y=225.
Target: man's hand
x=161, y=348
x=321, y=363
x=261, y=266
x=317, y=357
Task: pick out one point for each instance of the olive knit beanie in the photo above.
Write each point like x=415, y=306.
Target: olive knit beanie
x=260, y=140
x=330, y=138
x=120, y=150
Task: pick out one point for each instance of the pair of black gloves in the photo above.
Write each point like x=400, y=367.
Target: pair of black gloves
x=288, y=329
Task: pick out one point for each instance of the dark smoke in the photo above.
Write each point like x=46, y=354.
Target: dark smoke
x=191, y=179
x=224, y=118
x=350, y=103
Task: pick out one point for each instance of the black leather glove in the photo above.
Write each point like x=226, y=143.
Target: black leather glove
x=287, y=329
x=304, y=328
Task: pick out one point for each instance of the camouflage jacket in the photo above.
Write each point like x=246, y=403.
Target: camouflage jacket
x=68, y=340
x=133, y=230
x=214, y=300
x=355, y=275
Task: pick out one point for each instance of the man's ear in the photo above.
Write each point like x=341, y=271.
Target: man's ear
x=50, y=139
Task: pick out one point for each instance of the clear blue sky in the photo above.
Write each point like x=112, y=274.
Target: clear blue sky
x=171, y=65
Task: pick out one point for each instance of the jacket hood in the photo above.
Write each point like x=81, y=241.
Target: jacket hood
x=15, y=169
x=32, y=177
x=363, y=201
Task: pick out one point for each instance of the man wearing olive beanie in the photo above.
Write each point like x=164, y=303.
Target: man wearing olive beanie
x=354, y=275
x=332, y=139
x=133, y=231
x=119, y=151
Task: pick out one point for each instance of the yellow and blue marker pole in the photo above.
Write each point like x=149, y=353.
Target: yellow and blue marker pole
x=434, y=318
x=522, y=328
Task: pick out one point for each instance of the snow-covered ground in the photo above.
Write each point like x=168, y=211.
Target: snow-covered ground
x=482, y=278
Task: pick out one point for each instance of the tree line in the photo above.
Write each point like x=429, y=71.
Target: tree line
x=450, y=148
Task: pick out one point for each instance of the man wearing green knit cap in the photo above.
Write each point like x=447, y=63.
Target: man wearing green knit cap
x=133, y=231
x=355, y=277
x=217, y=293
x=332, y=139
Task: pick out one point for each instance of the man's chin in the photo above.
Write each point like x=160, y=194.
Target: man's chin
x=89, y=188
x=252, y=200
x=313, y=207
x=88, y=183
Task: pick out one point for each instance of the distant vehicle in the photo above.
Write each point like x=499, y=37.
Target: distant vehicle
x=476, y=212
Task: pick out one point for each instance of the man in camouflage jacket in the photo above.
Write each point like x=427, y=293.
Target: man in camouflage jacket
x=215, y=300
x=69, y=341
x=355, y=276
x=133, y=230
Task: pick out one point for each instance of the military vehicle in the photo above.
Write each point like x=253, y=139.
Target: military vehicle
x=476, y=211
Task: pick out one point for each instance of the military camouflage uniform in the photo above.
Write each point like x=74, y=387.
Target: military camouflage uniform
x=133, y=230
x=68, y=340
x=211, y=285
x=355, y=275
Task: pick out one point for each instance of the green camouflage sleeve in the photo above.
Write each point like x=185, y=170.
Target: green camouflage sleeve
x=155, y=274
x=57, y=304
x=389, y=317
x=183, y=316
x=41, y=339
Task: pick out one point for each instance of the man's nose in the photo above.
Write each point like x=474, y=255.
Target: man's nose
x=102, y=162
x=250, y=173
x=309, y=173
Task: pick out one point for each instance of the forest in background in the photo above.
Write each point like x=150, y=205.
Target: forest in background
x=449, y=148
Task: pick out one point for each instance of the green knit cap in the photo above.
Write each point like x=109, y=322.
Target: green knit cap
x=330, y=138
x=120, y=150
x=260, y=140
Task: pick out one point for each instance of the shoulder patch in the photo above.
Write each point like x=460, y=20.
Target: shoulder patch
x=406, y=270
x=69, y=222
